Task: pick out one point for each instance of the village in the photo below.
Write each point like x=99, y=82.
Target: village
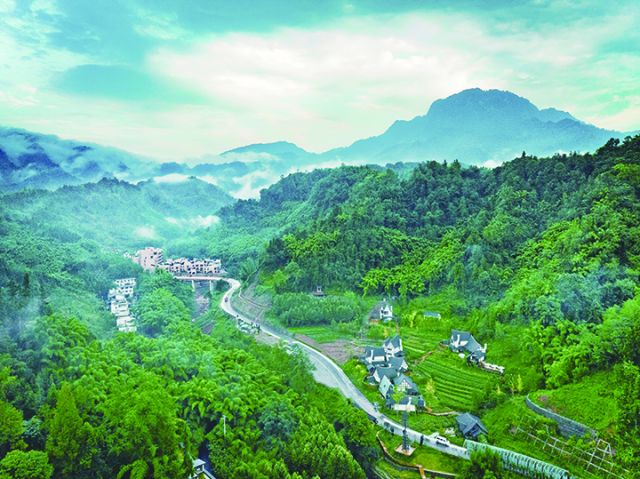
x=151, y=258
x=122, y=294
x=388, y=370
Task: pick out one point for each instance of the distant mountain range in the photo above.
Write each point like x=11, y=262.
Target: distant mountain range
x=477, y=126
x=483, y=127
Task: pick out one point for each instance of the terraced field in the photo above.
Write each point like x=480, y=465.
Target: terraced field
x=455, y=386
x=455, y=383
x=418, y=343
x=325, y=333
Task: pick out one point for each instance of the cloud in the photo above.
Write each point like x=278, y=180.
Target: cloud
x=329, y=86
x=209, y=179
x=171, y=178
x=194, y=222
x=252, y=183
x=185, y=86
x=251, y=157
x=146, y=232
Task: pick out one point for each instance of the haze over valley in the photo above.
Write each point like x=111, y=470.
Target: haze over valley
x=362, y=240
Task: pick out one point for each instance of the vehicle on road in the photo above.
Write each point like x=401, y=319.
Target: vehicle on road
x=442, y=441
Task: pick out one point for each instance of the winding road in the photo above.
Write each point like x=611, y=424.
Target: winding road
x=330, y=374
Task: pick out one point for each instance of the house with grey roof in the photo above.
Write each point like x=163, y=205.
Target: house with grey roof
x=470, y=426
x=464, y=342
x=399, y=363
x=385, y=387
x=381, y=371
x=409, y=404
x=393, y=346
x=405, y=384
x=382, y=311
x=200, y=470
x=374, y=356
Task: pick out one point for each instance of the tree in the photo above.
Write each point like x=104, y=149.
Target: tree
x=159, y=308
x=68, y=440
x=25, y=465
x=277, y=422
x=484, y=464
x=11, y=427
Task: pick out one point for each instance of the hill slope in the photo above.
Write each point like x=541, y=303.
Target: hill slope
x=118, y=214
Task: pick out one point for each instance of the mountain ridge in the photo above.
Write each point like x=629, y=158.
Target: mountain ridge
x=474, y=126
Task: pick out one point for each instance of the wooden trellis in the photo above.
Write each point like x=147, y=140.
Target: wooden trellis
x=597, y=459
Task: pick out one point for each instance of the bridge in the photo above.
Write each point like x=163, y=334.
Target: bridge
x=201, y=278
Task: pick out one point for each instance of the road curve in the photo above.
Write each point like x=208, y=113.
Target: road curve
x=330, y=374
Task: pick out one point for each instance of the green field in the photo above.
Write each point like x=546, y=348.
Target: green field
x=328, y=333
x=590, y=402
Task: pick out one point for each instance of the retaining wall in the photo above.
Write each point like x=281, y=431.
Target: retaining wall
x=568, y=427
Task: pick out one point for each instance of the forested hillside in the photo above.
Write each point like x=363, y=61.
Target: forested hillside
x=548, y=248
x=118, y=214
x=79, y=400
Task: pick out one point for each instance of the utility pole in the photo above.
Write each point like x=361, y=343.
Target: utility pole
x=224, y=425
x=405, y=436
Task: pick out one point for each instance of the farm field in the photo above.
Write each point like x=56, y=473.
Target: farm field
x=327, y=333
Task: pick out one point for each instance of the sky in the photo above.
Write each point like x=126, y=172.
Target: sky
x=180, y=80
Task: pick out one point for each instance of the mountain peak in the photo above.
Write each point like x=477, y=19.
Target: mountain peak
x=273, y=148
x=476, y=103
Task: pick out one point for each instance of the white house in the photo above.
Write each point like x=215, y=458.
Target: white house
x=381, y=371
x=385, y=387
x=392, y=346
x=374, y=356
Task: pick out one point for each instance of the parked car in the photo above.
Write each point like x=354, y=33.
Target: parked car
x=442, y=441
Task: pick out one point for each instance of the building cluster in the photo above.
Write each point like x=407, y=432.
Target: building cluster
x=387, y=366
x=119, y=298
x=151, y=258
x=192, y=266
x=383, y=311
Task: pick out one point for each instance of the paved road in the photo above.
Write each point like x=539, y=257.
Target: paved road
x=330, y=374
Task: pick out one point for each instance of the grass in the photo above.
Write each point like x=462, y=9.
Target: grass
x=328, y=333
x=387, y=471
x=425, y=456
x=589, y=402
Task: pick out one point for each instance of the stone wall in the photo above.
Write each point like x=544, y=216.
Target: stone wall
x=567, y=427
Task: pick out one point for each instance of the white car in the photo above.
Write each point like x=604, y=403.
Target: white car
x=442, y=441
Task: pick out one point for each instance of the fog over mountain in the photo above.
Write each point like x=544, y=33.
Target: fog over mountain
x=482, y=127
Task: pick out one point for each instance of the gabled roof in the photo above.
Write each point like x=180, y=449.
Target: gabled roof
x=395, y=342
x=385, y=386
x=402, y=378
x=466, y=422
x=376, y=350
x=397, y=362
x=461, y=336
x=414, y=400
x=386, y=371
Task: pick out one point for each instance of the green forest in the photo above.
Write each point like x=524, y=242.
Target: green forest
x=79, y=401
x=539, y=257
x=540, y=251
